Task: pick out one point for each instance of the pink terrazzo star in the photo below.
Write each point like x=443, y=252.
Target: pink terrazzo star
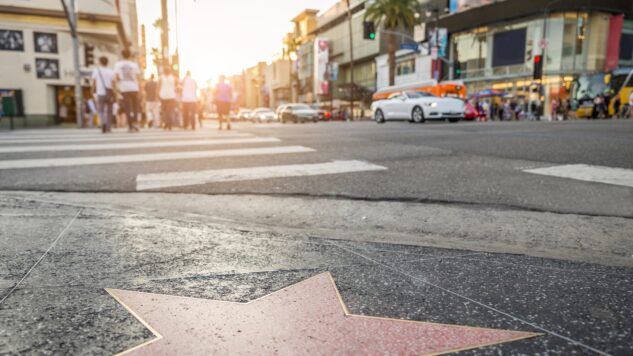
x=306, y=318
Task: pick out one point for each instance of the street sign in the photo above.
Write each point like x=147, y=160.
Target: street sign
x=411, y=46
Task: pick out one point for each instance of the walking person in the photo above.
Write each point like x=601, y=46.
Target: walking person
x=152, y=105
x=189, y=101
x=167, y=95
x=103, y=89
x=223, y=95
x=128, y=77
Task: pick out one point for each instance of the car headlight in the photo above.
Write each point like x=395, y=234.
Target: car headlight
x=431, y=105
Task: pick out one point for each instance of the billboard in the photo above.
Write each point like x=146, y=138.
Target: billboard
x=321, y=73
x=463, y=5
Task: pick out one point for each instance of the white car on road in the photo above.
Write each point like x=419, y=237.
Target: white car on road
x=263, y=115
x=417, y=107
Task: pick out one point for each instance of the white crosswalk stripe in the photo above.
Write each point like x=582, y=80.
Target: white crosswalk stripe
x=607, y=175
x=129, y=145
x=61, y=144
x=149, y=157
x=179, y=179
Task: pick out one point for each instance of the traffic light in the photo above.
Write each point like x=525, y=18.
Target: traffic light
x=175, y=65
x=538, y=67
x=457, y=70
x=369, y=31
x=89, y=55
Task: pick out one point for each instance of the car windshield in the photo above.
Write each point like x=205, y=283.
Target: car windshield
x=300, y=107
x=418, y=94
x=263, y=111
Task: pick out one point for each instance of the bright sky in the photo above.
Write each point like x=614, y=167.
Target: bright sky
x=224, y=36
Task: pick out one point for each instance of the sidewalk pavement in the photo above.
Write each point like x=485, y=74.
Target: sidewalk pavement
x=58, y=259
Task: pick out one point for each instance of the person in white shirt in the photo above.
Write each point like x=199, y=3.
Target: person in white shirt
x=103, y=89
x=167, y=95
x=128, y=76
x=189, y=101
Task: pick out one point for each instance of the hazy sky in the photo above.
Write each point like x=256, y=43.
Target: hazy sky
x=225, y=36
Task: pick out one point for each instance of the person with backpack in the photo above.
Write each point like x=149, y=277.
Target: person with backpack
x=103, y=89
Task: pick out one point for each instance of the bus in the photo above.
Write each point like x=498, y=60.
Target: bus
x=455, y=89
x=617, y=83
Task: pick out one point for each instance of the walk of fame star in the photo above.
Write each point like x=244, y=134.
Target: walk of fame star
x=305, y=318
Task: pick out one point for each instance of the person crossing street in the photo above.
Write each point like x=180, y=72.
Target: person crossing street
x=128, y=75
x=103, y=88
x=189, y=101
x=223, y=97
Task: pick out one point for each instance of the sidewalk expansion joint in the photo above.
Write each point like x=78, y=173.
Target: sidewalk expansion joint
x=59, y=236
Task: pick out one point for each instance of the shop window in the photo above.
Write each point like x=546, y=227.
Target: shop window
x=405, y=67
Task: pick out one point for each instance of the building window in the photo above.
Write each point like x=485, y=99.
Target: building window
x=405, y=67
x=47, y=68
x=626, y=47
x=45, y=42
x=11, y=40
x=509, y=48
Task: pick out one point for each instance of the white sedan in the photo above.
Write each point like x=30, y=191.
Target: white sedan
x=417, y=107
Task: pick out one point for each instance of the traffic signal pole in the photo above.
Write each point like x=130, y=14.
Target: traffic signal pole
x=351, y=60
x=71, y=16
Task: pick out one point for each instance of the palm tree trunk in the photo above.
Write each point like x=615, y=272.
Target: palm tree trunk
x=391, y=52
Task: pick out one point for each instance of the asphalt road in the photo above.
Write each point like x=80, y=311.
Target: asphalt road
x=468, y=163
x=517, y=227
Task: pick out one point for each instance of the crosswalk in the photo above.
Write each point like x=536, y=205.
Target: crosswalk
x=83, y=149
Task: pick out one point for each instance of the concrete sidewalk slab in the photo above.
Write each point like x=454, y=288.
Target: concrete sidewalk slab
x=63, y=308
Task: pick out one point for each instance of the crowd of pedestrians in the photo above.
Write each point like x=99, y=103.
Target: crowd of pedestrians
x=124, y=98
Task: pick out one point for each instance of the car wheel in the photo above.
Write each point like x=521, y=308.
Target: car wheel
x=379, y=117
x=417, y=115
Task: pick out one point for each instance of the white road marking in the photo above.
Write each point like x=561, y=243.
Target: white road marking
x=608, y=175
x=179, y=179
x=112, y=138
x=119, y=135
x=78, y=161
x=128, y=145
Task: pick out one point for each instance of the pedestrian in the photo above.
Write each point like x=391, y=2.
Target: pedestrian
x=189, y=101
x=223, y=95
x=554, y=110
x=152, y=105
x=103, y=89
x=128, y=77
x=167, y=94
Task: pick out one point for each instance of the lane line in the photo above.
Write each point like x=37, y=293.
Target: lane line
x=149, y=157
x=109, y=138
x=128, y=145
x=584, y=172
x=180, y=179
x=120, y=135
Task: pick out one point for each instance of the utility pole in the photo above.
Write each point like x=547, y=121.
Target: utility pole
x=351, y=59
x=71, y=16
x=164, y=35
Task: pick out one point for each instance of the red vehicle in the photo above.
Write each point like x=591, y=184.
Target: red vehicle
x=470, y=112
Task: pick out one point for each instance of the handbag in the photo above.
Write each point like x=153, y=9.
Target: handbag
x=109, y=95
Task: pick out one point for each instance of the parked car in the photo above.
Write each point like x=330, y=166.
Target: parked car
x=324, y=113
x=263, y=115
x=298, y=113
x=470, y=112
x=244, y=114
x=417, y=107
x=280, y=108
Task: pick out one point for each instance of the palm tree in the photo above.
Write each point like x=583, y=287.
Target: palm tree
x=394, y=15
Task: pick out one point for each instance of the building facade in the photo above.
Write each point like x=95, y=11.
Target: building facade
x=36, y=60
x=494, y=45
